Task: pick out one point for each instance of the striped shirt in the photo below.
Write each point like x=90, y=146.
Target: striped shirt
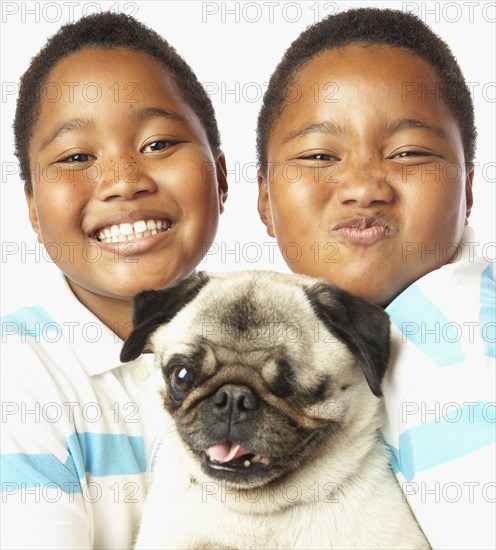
x=440, y=397
x=77, y=428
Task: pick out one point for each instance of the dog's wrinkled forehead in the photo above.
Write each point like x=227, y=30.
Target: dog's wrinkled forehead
x=243, y=312
x=249, y=312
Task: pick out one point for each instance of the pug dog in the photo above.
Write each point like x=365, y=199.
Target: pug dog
x=271, y=390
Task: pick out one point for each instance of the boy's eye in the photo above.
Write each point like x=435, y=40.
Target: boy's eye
x=158, y=145
x=77, y=158
x=320, y=156
x=407, y=154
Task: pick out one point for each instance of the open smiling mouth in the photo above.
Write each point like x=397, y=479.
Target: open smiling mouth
x=232, y=459
x=132, y=231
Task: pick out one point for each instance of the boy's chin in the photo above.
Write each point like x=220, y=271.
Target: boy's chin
x=367, y=286
x=121, y=286
x=379, y=296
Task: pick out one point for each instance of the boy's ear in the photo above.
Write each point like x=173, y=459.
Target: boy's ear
x=469, y=196
x=33, y=214
x=220, y=165
x=264, y=204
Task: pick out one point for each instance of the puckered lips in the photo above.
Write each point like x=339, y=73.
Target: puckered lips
x=139, y=227
x=363, y=230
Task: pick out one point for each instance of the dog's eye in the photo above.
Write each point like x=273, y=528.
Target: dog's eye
x=182, y=379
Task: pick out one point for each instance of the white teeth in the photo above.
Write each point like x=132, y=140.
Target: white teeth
x=132, y=231
x=126, y=229
x=246, y=463
x=255, y=459
x=140, y=226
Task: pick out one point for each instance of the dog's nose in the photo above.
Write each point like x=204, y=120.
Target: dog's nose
x=235, y=400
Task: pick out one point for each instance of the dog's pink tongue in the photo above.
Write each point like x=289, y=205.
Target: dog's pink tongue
x=224, y=452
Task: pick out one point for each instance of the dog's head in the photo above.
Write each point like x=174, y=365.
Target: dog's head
x=262, y=368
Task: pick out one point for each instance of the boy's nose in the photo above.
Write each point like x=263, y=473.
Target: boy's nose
x=124, y=179
x=364, y=188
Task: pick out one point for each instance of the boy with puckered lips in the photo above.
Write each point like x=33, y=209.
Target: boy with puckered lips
x=385, y=180
x=138, y=177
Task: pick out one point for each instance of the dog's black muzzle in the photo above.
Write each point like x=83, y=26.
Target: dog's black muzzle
x=234, y=404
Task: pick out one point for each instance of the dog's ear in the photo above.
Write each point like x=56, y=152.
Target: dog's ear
x=362, y=326
x=153, y=308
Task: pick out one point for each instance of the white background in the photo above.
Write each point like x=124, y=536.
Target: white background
x=233, y=47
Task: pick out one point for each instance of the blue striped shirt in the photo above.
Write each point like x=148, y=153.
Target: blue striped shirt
x=78, y=428
x=440, y=396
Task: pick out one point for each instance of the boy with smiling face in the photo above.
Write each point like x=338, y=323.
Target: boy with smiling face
x=366, y=140
x=124, y=184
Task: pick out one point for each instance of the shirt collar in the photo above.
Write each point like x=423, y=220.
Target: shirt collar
x=467, y=249
x=96, y=346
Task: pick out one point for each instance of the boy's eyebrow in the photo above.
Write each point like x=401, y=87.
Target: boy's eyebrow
x=67, y=126
x=324, y=127
x=337, y=129
x=152, y=112
x=83, y=123
x=401, y=124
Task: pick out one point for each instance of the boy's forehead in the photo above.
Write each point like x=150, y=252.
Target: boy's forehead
x=359, y=85
x=87, y=79
x=92, y=76
x=106, y=63
x=365, y=62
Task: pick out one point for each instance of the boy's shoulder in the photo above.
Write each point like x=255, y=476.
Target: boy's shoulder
x=55, y=332
x=453, y=304
x=439, y=393
x=30, y=281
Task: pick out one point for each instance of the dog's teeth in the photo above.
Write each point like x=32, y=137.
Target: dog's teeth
x=255, y=459
x=246, y=463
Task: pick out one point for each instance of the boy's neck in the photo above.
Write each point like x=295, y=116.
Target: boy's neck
x=115, y=313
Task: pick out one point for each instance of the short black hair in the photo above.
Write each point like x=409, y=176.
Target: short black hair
x=370, y=26
x=104, y=30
